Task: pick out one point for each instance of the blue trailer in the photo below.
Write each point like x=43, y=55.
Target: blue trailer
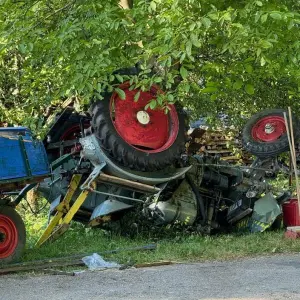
x=23, y=163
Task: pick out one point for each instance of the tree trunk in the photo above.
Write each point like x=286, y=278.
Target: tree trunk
x=126, y=4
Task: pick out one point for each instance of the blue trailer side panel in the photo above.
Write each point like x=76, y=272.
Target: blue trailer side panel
x=11, y=159
x=20, y=155
x=37, y=157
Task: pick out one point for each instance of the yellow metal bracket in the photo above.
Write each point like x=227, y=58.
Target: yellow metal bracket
x=64, y=213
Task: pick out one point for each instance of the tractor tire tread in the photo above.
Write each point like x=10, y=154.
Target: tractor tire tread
x=125, y=154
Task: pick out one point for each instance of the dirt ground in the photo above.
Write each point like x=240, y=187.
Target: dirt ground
x=276, y=277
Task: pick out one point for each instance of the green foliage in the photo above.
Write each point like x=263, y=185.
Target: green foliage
x=230, y=56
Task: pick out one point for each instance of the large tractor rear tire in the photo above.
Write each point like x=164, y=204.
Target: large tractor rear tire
x=138, y=138
x=12, y=235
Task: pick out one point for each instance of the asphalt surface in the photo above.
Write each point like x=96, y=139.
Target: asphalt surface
x=276, y=277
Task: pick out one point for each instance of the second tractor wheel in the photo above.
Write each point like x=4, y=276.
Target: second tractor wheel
x=12, y=235
x=138, y=138
x=265, y=134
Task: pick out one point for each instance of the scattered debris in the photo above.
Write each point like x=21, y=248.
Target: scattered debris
x=58, y=272
x=33, y=266
x=265, y=212
x=96, y=262
x=75, y=260
x=128, y=265
x=154, y=264
x=224, y=143
x=131, y=264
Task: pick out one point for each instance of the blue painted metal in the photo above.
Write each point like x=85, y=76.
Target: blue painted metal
x=21, y=156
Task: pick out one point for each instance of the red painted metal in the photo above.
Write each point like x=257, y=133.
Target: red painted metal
x=290, y=211
x=260, y=134
x=71, y=133
x=156, y=136
x=10, y=238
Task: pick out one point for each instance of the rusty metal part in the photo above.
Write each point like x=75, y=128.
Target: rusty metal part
x=17, y=184
x=100, y=220
x=127, y=183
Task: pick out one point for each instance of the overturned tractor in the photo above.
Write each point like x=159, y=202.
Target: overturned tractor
x=122, y=166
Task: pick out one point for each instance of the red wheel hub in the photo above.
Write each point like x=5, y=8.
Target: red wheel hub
x=148, y=130
x=70, y=134
x=8, y=237
x=268, y=129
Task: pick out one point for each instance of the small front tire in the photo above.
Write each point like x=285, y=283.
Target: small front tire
x=265, y=135
x=12, y=235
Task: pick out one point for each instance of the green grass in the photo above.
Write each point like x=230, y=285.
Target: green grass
x=79, y=239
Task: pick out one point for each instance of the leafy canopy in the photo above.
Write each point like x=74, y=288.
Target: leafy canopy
x=213, y=55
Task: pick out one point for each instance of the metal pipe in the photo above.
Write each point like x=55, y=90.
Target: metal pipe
x=127, y=183
x=117, y=196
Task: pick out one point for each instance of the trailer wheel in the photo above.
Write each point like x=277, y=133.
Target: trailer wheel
x=138, y=138
x=265, y=135
x=12, y=235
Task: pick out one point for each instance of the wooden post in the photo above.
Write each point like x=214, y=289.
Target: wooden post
x=126, y=4
x=290, y=135
x=290, y=170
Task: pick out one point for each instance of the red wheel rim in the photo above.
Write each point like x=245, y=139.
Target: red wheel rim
x=8, y=237
x=71, y=134
x=151, y=131
x=268, y=129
